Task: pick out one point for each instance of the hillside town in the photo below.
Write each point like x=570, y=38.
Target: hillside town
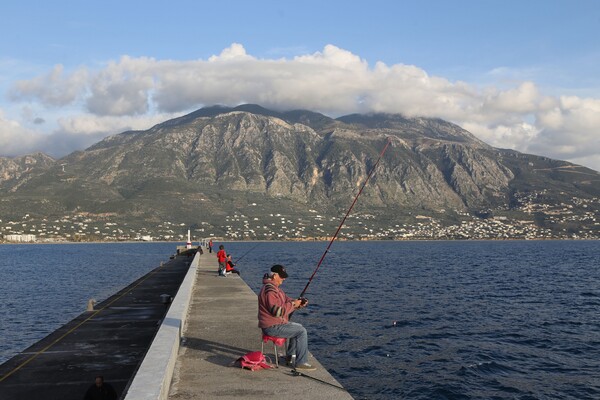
x=578, y=219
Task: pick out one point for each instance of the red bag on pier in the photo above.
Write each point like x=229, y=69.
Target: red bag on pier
x=253, y=361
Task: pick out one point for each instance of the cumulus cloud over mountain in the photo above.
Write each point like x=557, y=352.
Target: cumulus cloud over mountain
x=135, y=93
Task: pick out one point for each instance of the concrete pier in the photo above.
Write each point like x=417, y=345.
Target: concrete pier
x=149, y=349
x=222, y=326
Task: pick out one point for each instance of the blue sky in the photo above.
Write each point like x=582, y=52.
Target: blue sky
x=517, y=74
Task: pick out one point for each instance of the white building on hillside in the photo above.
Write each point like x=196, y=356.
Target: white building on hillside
x=20, y=238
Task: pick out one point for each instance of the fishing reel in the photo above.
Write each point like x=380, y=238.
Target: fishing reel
x=303, y=301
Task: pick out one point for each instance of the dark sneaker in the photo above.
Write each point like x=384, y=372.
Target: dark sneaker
x=305, y=367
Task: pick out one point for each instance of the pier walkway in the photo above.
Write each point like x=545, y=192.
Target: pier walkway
x=221, y=327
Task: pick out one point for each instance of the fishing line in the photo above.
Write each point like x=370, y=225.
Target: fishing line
x=246, y=253
x=345, y=216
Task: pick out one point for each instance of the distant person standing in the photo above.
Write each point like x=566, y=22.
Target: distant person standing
x=222, y=259
x=100, y=390
x=210, y=246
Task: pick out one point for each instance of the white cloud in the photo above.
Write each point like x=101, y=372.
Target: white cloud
x=121, y=88
x=89, y=124
x=234, y=52
x=517, y=136
x=15, y=139
x=82, y=131
x=333, y=81
x=571, y=130
x=53, y=89
x=520, y=100
x=72, y=133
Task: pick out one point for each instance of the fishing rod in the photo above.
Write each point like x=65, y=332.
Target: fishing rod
x=344, y=219
x=246, y=253
x=295, y=372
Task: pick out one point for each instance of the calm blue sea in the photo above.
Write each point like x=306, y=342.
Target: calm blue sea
x=390, y=320
x=44, y=286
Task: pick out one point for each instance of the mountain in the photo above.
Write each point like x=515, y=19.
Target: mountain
x=16, y=171
x=205, y=168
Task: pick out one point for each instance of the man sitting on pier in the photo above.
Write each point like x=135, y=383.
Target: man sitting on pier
x=274, y=310
x=100, y=390
x=230, y=267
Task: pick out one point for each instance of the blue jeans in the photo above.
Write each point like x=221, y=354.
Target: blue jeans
x=297, y=339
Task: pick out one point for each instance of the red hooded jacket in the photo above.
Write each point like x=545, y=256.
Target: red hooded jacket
x=274, y=306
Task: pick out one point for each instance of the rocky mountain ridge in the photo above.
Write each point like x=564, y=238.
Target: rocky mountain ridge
x=15, y=171
x=219, y=160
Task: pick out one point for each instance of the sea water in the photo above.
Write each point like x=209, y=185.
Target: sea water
x=390, y=320
x=448, y=320
x=42, y=287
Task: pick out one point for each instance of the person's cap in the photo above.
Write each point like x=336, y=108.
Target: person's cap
x=280, y=269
